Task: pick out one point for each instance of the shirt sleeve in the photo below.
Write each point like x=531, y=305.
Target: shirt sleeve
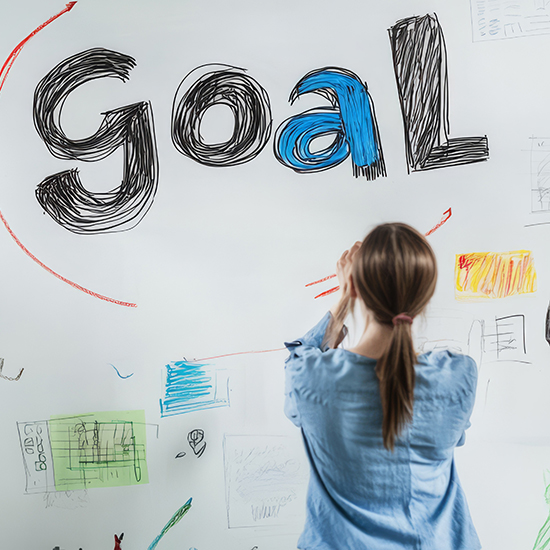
x=312, y=339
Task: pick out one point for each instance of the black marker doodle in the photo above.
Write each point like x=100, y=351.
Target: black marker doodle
x=420, y=64
x=548, y=325
x=62, y=195
x=181, y=455
x=210, y=85
x=196, y=441
x=8, y=378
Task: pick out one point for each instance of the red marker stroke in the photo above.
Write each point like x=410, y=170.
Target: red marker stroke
x=13, y=55
x=446, y=215
x=3, y=74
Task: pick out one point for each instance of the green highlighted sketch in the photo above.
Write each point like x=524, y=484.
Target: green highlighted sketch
x=101, y=449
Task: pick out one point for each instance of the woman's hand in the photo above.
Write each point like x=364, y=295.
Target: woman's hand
x=343, y=271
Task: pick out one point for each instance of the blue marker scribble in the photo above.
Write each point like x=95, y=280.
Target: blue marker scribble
x=192, y=387
x=120, y=375
x=350, y=119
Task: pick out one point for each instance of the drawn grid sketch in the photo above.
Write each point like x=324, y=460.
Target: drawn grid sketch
x=501, y=19
x=265, y=480
x=104, y=449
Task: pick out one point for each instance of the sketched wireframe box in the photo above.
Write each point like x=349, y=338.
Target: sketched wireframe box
x=193, y=386
x=265, y=480
x=102, y=449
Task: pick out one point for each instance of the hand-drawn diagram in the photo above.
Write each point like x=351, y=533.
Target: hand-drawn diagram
x=196, y=441
x=499, y=19
x=502, y=339
x=265, y=480
x=420, y=64
x=192, y=386
x=210, y=85
x=102, y=449
x=485, y=275
x=350, y=120
x=62, y=195
x=173, y=521
x=8, y=378
x=540, y=174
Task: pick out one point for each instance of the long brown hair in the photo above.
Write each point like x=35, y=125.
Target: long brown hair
x=394, y=272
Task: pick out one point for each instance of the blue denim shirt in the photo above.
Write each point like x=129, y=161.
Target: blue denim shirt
x=361, y=495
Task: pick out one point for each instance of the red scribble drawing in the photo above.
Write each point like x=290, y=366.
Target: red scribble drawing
x=327, y=292
x=3, y=74
x=446, y=215
x=118, y=541
x=322, y=280
x=238, y=353
x=13, y=55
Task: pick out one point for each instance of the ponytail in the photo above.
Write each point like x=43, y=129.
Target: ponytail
x=395, y=271
x=395, y=370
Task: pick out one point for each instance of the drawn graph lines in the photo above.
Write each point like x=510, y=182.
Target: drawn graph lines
x=482, y=275
x=193, y=386
x=3, y=74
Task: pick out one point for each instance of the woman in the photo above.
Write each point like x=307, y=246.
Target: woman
x=379, y=424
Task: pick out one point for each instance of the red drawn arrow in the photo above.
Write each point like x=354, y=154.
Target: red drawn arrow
x=3, y=74
x=446, y=215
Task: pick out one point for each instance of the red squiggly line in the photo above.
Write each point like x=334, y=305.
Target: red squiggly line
x=3, y=74
x=446, y=215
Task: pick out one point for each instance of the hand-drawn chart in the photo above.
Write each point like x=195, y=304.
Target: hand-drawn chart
x=265, y=480
x=500, y=19
x=102, y=449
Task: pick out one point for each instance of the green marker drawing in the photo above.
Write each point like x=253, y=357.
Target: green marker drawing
x=543, y=538
x=175, y=518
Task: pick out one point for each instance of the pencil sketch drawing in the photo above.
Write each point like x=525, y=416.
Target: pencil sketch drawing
x=265, y=480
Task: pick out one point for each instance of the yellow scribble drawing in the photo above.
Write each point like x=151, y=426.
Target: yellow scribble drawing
x=481, y=275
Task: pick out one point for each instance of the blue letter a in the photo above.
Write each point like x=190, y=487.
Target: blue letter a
x=350, y=119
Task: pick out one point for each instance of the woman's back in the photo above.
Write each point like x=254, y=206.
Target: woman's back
x=362, y=495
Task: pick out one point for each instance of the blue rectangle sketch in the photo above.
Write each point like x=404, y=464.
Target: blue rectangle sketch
x=192, y=386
